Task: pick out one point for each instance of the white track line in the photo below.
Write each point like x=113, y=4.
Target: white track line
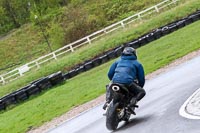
x=182, y=110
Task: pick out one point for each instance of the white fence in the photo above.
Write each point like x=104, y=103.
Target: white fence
x=14, y=74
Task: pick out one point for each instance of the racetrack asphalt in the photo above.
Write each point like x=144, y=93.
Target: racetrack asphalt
x=158, y=111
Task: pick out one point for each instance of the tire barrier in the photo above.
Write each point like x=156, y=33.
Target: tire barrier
x=66, y=76
x=80, y=69
x=2, y=105
x=111, y=55
x=157, y=33
x=44, y=83
x=195, y=17
x=118, y=50
x=9, y=99
x=21, y=95
x=142, y=41
x=150, y=37
x=72, y=73
x=165, y=30
x=88, y=65
x=56, y=78
x=32, y=90
x=104, y=58
x=188, y=21
x=180, y=24
x=135, y=44
x=96, y=62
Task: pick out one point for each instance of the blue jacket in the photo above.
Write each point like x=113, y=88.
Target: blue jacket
x=126, y=70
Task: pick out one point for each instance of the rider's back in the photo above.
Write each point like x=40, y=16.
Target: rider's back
x=126, y=70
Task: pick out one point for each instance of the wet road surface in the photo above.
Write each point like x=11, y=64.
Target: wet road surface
x=159, y=110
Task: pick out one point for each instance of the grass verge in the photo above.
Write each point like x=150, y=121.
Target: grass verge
x=61, y=24
x=91, y=84
x=108, y=42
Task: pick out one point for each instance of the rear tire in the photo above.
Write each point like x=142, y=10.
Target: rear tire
x=112, y=119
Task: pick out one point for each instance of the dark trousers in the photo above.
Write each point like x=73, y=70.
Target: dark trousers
x=138, y=91
x=135, y=89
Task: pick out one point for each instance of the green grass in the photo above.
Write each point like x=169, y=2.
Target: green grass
x=115, y=39
x=170, y=47
x=91, y=84
x=27, y=43
x=15, y=49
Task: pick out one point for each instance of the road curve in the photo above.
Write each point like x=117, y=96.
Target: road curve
x=159, y=110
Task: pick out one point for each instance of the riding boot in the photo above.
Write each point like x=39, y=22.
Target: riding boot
x=108, y=97
x=105, y=105
x=133, y=101
x=132, y=105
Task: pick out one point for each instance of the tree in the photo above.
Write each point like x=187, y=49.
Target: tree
x=10, y=12
x=15, y=13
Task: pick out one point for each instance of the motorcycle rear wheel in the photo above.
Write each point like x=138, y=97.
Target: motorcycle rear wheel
x=112, y=119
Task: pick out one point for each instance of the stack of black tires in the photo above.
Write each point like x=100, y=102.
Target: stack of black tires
x=33, y=88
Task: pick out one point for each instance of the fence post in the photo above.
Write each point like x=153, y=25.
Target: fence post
x=88, y=39
x=139, y=16
x=20, y=73
x=71, y=48
x=54, y=56
x=157, y=10
x=37, y=64
x=122, y=24
x=2, y=79
x=105, y=31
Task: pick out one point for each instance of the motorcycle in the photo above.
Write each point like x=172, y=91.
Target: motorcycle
x=119, y=108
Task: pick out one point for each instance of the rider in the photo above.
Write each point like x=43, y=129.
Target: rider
x=127, y=70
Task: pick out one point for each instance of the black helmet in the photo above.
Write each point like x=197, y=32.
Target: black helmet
x=129, y=51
